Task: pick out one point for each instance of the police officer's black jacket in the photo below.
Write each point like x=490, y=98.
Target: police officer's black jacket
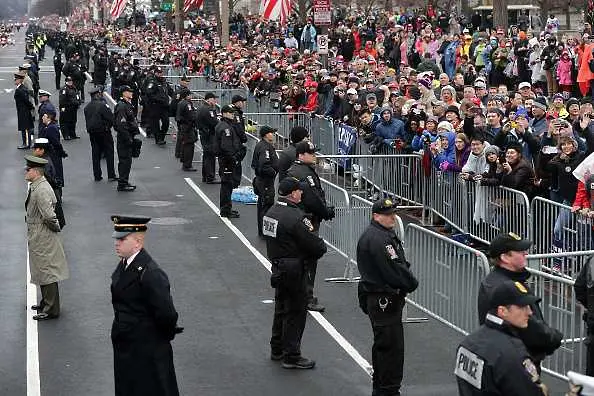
x=74, y=70
x=381, y=263
x=125, y=122
x=507, y=369
x=228, y=142
x=68, y=97
x=58, y=64
x=187, y=116
x=207, y=119
x=157, y=93
x=584, y=292
x=98, y=116
x=265, y=160
x=313, y=200
x=239, y=118
x=289, y=233
x=285, y=160
x=540, y=339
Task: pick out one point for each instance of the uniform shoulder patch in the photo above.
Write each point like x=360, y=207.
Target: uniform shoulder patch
x=469, y=367
x=269, y=226
x=308, y=224
x=267, y=154
x=311, y=181
x=531, y=370
x=63, y=92
x=391, y=252
x=228, y=132
x=189, y=106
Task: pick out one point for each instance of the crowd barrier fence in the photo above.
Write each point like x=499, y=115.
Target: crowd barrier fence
x=282, y=121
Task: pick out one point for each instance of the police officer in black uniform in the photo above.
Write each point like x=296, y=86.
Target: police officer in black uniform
x=127, y=128
x=74, y=69
x=69, y=101
x=493, y=360
x=265, y=165
x=101, y=63
x=184, y=83
x=187, y=118
x=290, y=241
x=313, y=203
x=229, y=148
x=129, y=77
x=386, y=279
x=238, y=104
x=145, y=320
x=115, y=67
x=99, y=120
x=584, y=293
x=58, y=65
x=288, y=155
x=157, y=106
x=207, y=121
x=508, y=252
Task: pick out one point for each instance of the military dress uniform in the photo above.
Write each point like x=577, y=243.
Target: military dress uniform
x=99, y=121
x=265, y=165
x=187, y=117
x=290, y=241
x=69, y=101
x=127, y=128
x=493, y=360
x=145, y=321
x=207, y=122
x=44, y=107
x=386, y=279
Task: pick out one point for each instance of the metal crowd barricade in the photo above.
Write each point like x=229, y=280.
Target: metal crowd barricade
x=361, y=216
x=142, y=61
x=566, y=264
x=338, y=233
x=449, y=275
x=246, y=165
x=556, y=229
x=561, y=311
x=323, y=136
x=397, y=176
x=282, y=121
x=447, y=196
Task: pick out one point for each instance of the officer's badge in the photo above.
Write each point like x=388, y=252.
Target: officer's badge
x=228, y=132
x=177, y=96
x=388, y=203
x=123, y=120
x=308, y=224
x=63, y=92
x=531, y=369
x=267, y=155
x=515, y=236
x=391, y=252
x=190, y=106
x=140, y=268
x=212, y=114
x=311, y=181
x=106, y=105
x=521, y=287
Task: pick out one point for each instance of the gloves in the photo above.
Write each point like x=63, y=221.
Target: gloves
x=444, y=166
x=330, y=213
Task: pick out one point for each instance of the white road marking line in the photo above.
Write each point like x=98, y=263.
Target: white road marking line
x=330, y=329
x=33, y=380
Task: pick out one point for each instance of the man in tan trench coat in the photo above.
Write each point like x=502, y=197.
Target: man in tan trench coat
x=46, y=254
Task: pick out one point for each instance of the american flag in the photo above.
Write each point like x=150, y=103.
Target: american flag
x=117, y=7
x=275, y=9
x=192, y=3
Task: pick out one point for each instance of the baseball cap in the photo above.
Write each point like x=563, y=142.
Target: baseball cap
x=238, y=98
x=288, y=185
x=511, y=293
x=266, y=129
x=351, y=91
x=524, y=84
x=305, y=147
x=383, y=206
x=504, y=243
x=479, y=84
x=371, y=96
x=227, y=109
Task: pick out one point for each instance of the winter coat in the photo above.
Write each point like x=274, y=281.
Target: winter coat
x=561, y=170
x=46, y=254
x=564, y=68
x=449, y=154
x=24, y=108
x=476, y=164
x=521, y=178
x=390, y=130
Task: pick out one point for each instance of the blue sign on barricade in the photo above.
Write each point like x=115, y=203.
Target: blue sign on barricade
x=347, y=136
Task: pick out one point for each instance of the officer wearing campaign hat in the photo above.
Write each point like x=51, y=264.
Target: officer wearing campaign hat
x=508, y=253
x=290, y=243
x=265, y=164
x=144, y=310
x=494, y=359
x=386, y=279
x=313, y=203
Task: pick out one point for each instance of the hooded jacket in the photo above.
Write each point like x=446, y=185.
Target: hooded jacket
x=449, y=154
x=391, y=129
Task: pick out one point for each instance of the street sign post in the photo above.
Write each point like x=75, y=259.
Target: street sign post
x=322, y=11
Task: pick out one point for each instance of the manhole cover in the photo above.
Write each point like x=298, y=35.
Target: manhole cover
x=153, y=204
x=169, y=221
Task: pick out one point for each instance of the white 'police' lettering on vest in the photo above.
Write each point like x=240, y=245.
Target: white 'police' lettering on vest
x=469, y=367
x=269, y=226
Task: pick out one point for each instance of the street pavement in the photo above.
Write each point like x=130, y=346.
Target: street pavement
x=219, y=287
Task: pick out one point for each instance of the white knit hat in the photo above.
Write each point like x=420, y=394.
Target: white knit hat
x=445, y=125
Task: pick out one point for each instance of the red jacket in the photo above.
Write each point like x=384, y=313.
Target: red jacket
x=582, y=198
x=311, y=104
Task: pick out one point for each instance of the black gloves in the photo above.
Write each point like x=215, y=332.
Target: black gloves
x=330, y=213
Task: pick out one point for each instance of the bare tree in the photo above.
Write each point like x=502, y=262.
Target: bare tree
x=302, y=9
x=500, y=13
x=47, y=7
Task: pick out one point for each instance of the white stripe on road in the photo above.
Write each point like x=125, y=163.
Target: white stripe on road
x=33, y=381
x=330, y=329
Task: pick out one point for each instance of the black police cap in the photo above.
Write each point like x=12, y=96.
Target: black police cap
x=504, y=243
x=383, y=206
x=288, y=185
x=266, y=129
x=305, y=147
x=511, y=293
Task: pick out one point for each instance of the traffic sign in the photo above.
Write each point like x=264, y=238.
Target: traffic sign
x=323, y=44
x=322, y=10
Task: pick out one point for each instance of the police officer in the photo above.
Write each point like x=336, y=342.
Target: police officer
x=74, y=69
x=157, y=106
x=386, y=279
x=493, y=360
x=99, y=120
x=238, y=103
x=207, y=121
x=584, y=293
x=265, y=165
x=290, y=241
x=508, y=252
x=101, y=64
x=44, y=106
x=127, y=128
x=229, y=148
x=69, y=101
x=58, y=65
x=184, y=83
x=187, y=118
x=313, y=203
x=288, y=155
x=145, y=319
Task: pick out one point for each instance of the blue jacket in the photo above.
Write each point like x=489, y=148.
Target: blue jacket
x=449, y=154
x=417, y=142
x=390, y=130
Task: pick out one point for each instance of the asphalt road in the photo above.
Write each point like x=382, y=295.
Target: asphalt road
x=219, y=287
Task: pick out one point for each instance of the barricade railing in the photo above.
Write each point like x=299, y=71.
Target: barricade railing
x=338, y=232
x=565, y=264
x=397, y=176
x=322, y=135
x=561, y=311
x=282, y=121
x=449, y=275
x=556, y=229
x=447, y=196
x=246, y=163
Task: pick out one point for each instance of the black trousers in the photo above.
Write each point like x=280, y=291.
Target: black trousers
x=158, y=123
x=590, y=354
x=178, y=143
x=187, y=152
x=50, y=299
x=387, y=353
x=102, y=144
x=58, y=72
x=68, y=120
x=311, y=268
x=208, y=159
x=288, y=323
x=124, y=165
x=265, y=199
x=230, y=174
